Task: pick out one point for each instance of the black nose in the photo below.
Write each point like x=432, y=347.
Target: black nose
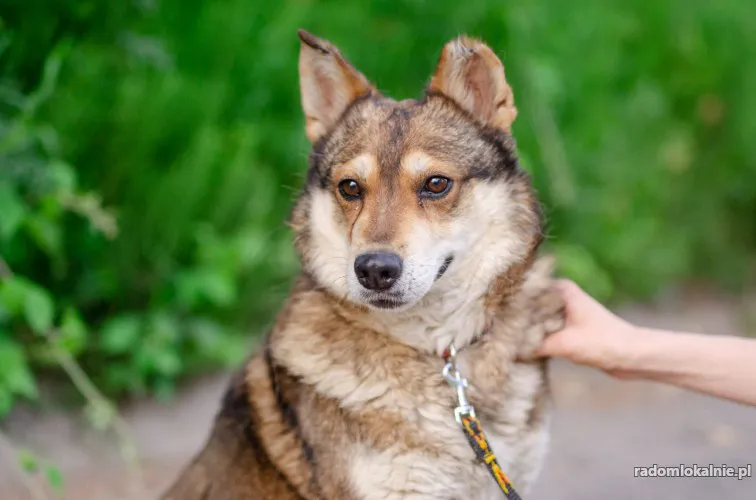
x=378, y=271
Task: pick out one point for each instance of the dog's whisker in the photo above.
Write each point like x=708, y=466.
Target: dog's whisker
x=339, y=278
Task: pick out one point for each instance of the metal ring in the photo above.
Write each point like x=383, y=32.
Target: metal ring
x=453, y=380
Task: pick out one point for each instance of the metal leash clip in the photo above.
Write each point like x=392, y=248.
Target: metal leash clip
x=465, y=416
x=455, y=379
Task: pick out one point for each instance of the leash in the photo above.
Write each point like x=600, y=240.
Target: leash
x=465, y=416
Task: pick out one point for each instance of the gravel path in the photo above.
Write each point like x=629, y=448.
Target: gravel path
x=602, y=430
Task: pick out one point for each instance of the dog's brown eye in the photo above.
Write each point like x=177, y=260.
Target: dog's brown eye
x=350, y=190
x=436, y=187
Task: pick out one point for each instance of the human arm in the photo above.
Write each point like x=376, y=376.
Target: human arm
x=721, y=366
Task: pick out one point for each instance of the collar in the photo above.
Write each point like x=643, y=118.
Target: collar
x=452, y=350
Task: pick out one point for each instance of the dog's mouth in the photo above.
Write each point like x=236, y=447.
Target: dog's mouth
x=386, y=303
x=444, y=266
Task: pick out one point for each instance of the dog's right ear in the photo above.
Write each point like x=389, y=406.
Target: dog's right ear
x=328, y=84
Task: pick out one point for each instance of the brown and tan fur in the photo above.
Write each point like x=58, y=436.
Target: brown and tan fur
x=346, y=400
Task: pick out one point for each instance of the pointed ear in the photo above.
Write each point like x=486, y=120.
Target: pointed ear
x=470, y=73
x=328, y=84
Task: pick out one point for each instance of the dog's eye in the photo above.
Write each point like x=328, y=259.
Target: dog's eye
x=350, y=190
x=436, y=187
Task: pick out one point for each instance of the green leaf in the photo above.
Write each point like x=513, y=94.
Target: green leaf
x=18, y=295
x=206, y=333
x=163, y=328
x=21, y=382
x=46, y=233
x=39, y=309
x=54, y=478
x=213, y=285
x=13, y=211
x=167, y=362
x=28, y=461
x=12, y=294
x=73, y=331
x=6, y=401
x=121, y=334
x=63, y=176
x=160, y=359
x=15, y=376
x=219, y=288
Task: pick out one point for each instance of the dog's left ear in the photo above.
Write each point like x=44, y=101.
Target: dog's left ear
x=328, y=84
x=470, y=73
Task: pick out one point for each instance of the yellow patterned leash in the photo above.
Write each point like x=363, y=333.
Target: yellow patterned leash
x=465, y=416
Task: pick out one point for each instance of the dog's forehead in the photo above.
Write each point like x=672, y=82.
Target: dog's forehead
x=418, y=123
x=389, y=130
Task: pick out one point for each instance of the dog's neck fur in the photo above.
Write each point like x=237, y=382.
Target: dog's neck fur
x=433, y=324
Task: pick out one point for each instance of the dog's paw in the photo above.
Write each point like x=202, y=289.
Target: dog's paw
x=542, y=305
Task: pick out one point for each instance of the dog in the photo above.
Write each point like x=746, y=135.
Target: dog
x=417, y=230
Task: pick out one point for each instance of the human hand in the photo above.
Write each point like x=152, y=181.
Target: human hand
x=592, y=335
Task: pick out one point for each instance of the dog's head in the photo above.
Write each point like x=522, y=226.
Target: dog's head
x=406, y=199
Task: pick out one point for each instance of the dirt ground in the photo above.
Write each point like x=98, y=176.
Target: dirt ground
x=602, y=430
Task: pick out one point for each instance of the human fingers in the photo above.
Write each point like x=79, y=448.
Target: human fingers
x=579, y=306
x=558, y=344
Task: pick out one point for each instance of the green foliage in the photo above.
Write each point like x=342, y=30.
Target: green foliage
x=149, y=152
x=32, y=465
x=15, y=378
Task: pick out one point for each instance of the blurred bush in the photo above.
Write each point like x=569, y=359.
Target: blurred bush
x=150, y=150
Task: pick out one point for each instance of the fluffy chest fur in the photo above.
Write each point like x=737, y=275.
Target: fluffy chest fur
x=388, y=412
x=441, y=464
